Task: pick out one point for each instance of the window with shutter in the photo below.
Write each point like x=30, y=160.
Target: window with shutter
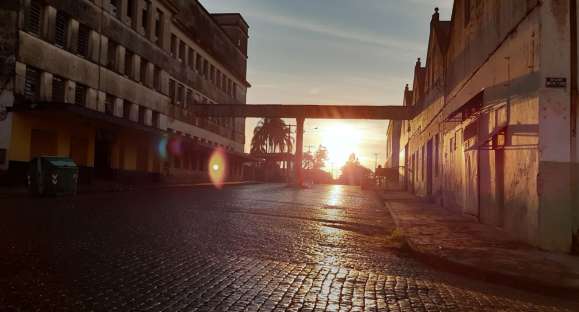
x=83, y=40
x=111, y=55
x=143, y=71
x=172, y=90
x=61, y=30
x=129, y=64
x=80, y=94
x=35, y=17
x=32, y=83
x=127, y=109
x=58, y=89
x=109, y=104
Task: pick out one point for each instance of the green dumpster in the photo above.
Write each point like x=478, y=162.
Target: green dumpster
x=52, y=176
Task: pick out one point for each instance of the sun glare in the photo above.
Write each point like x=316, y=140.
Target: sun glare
x=341, y=140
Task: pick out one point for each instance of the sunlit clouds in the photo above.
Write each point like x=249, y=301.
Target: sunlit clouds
x=343, y=53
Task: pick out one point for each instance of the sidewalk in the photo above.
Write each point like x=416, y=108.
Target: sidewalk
x=461, y=244
x=118, y=187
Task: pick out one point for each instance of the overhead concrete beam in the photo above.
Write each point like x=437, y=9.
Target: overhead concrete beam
x=303, y=111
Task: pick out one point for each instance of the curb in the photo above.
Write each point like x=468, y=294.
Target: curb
x=473, y=272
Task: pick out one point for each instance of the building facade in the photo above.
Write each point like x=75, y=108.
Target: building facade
x=109, y=83
x=494, y=133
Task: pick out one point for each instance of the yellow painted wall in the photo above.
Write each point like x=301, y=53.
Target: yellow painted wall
x=65, y=126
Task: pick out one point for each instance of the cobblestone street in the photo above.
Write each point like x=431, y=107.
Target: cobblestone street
x=252, y=248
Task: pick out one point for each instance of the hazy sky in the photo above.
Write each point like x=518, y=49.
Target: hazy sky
x=358, y=52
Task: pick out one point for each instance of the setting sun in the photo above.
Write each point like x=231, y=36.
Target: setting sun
x=341, y=140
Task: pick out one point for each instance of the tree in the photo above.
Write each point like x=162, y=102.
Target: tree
x=353, y=173
x=271, y=135
x=320, y=157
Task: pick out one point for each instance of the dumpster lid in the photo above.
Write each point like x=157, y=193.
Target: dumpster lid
x=61, y=162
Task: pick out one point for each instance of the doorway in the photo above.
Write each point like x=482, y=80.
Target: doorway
x=102, y=155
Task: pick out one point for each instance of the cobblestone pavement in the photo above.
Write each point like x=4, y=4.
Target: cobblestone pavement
x=250, y=248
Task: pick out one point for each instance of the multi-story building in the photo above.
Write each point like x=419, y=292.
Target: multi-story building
x=109, y=83
x=495, y=129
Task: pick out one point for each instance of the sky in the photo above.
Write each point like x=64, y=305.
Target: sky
x=340, y=52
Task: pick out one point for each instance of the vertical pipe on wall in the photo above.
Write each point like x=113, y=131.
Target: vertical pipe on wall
x=573, y=119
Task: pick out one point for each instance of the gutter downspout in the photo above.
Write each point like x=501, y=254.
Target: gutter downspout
x=574, y=180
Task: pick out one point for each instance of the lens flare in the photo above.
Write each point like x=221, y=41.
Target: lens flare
x=162, y=148
x=218, y=168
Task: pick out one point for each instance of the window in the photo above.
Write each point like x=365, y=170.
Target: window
x=83, y=40
x=234, y=90
x=145, y=16
x=180, y=94
x=189, y=99
x=156, y=116
x=112, y=55
x=35, y=17
x=218, y=79
x=142, y=112
x=130, y=9
x=32, y=83
x=157, y=78
x=199, y=64
x=127, y=109
x=174, y=45
x=114, y=6
x=191, y=59
x=159, y=27
x=205, y=69
x=109, y=105
x=172, y=90
x=80, y=94
x=182, y=51
x=143, y=72
x=58, y=89
x=61, y=30
x=223, y=83
x=129, y=64
x=212, y=73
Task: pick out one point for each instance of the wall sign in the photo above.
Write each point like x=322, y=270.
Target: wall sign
x=556, y=82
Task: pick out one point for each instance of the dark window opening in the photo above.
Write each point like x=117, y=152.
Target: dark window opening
x=172, y=90
x=129, y=64
x=143, y=72
x=174, y=45
x=32, y=83
x=157, y=78
x=182, y=51
x=199, y=64
x=189, y=101
x=130, y=8
x=109, y=105
x=191, y=59
x=142, y=112
x=58, y=86
x=159, y=27
x=83, y=40
x=111, y=55
x=35, y=17
x=61, y=30
x=80, y=94
x=127, y=109
x=156, y=116
x=180, y=94
x=2, y=156
x=114, y=6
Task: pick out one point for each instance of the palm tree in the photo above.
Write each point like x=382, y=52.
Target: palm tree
x=271, y=135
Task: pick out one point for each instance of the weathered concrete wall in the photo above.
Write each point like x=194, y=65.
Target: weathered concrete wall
x=9, y=14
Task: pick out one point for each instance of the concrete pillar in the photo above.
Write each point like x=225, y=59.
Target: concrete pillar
x=299, y=150
x=72, y=35
x=101, y=97
x=93, y=46
x=91, y=99
x=148, y=117
x=20, y=77
x=118, y=108
x=134, y=113
x=121, y=59
x=46, y=86
x=136, y=74
x=49, y=23
x=69, y=91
